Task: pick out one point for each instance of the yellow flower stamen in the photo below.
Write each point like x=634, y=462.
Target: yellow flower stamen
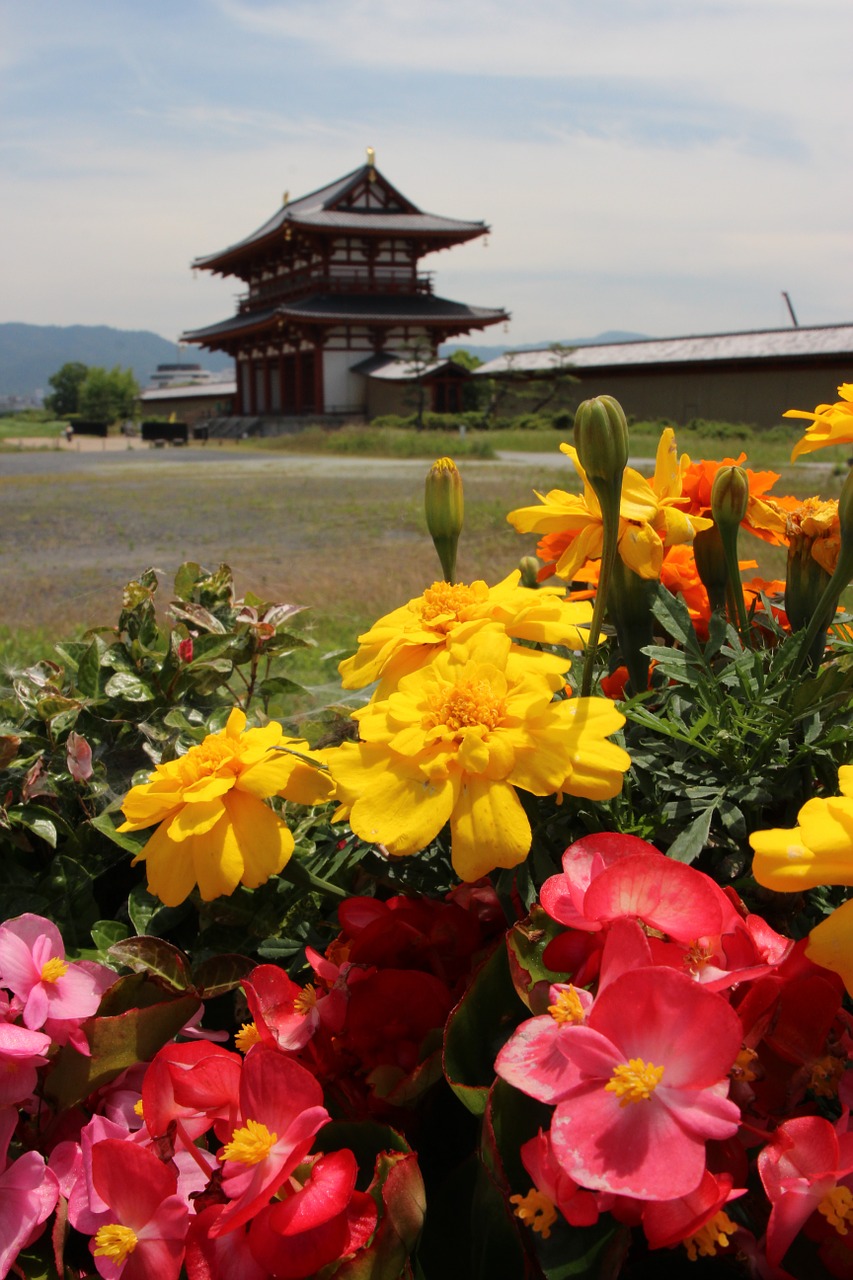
x=469, y=704
x=115, y=1242
x=634, y=1081
x=825, y=1076
x=53, y=969
x=567, y=1007
x=306, y=1000
x=715, y=1233
x=137, y=1108
x=246, y=1037
x=249, y=1145
x=536, y=1210
x=442, y=598
x=696, y=957
x=837, y=1207
x=743, y=1065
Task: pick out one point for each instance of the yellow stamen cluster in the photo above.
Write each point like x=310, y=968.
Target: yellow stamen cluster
x=305, y=1001
x=137, y=1108
x=567, y=1007
x=249, y=1145
x=442, y=598
x=825, y=1076
x=53, y=969
x=696, y=957
x=115, y=1242
x=466, y=705
x=634, y=1081
x=246, y=1037
x=713, y=1235
x=837, y=1207
x=536, y=1210
x=743, y=1065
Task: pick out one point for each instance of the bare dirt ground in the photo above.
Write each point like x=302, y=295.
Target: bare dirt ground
x=345, y=536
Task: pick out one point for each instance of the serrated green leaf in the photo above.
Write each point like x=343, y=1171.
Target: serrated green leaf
x=690, y=842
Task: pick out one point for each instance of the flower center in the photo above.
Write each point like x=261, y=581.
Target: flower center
x=825, y=1076
x=246, y=1037
x=53, y=969
x=536, y=1210
x=205, y=758
x=249, y=1145
x=696, y=957
x=567, y=1007
x=114, y=1242
x=634, y=1081
x=837, y=1207
x=445, y=597
x=305, y=1001
x=715, y=1232
x=469, y=704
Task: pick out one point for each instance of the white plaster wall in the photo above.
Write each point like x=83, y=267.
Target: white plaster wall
x=342, y=389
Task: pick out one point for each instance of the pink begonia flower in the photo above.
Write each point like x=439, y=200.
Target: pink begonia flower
x=697, y=1220
x=22, y=1052
x=194, y=1084
x=214, y=1257
x=28, y=1195
x=144, y=1236
x=324, y=1220
x=639, y=1087
x=286, y=1015
x=86, y=1209
x=55, y=994
x=803, y=1170
x=281, y=1109
x=580, y=1208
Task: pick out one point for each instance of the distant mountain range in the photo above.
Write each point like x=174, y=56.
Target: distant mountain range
x=31, y=353
x=485, y=353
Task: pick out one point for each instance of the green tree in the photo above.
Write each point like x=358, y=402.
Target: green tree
x=66, y=383
x=108, y=394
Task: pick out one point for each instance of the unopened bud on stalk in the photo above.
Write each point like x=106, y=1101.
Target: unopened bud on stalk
x=711, y=565
x=444, y=506
x=729, y=497
x=529, y=567
x=601, y=439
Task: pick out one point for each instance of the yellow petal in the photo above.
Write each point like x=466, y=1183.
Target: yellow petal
x=831, y=943
x=489, y=829
x=169, y=868
x=263, y=840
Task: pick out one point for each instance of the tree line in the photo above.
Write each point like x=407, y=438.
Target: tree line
x=87, y=391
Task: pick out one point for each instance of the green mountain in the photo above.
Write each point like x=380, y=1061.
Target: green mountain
x=30, y=353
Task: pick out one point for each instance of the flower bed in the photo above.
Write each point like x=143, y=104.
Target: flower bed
x=528, y=957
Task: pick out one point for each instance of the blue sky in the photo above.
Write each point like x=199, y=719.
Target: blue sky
x=660, y=166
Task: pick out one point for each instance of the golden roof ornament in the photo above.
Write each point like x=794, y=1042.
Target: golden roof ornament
x=371, y=164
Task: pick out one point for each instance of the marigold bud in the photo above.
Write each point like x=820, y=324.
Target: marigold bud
x=444, y=506
x=601, y=439
x=729, y=496
x=529, y=567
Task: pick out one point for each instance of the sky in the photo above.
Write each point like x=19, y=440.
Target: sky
x=662, y=167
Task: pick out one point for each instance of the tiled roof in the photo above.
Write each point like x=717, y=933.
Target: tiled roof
x=320, y=210
x=759, y=344
x=357, y=308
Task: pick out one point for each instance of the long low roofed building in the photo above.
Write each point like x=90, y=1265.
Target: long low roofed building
x=750, y=377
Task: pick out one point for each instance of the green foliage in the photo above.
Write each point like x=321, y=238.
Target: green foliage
x=730, y=741
x=134, y=694
x=66, y=383
x=106, y=395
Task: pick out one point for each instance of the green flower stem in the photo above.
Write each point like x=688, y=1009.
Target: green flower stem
x=728, y=537
x=297, y=873
x=631, y=612
x=814, y=640
x=610, y=500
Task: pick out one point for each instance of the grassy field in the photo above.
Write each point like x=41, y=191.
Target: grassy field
x=345, y=538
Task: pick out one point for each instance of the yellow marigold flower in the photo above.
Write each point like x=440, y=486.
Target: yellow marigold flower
x=214, y=828
x=410, y=636
x=650, y=517
x=813, y=529
x=819, y=850
x=456, y=739
x=831, y=423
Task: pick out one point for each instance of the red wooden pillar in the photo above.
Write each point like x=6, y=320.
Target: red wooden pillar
x=319, y=406
x=267, y=396
x=298, y=403
x=280, y=381
x=253, y=390
x=239, y=407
